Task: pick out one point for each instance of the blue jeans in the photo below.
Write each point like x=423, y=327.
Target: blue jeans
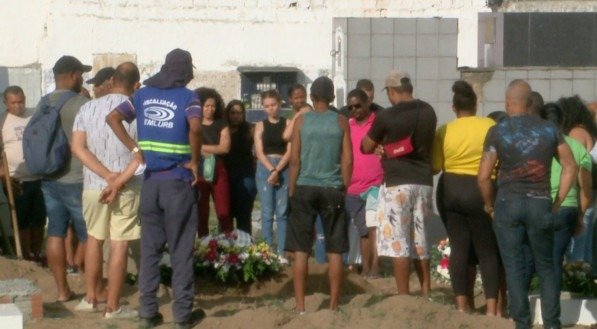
x=519, y=221
x=564, y=225
x=581, y=247
x=64, y=204
x=274, y=200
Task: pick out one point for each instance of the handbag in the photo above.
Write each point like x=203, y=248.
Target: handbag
x=399, y=148
x=209, y=168
x=402, y=146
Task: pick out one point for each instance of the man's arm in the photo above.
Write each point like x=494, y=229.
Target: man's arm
x=585, y=196
x=486, y=167
x=585, y=185
x=89, y=160
x=368, y=145
x=346, y=160
x=568, y=176
x=109, y=193
x=295, y=155
x=114, y=120
x=195, y=141
x=286, y=157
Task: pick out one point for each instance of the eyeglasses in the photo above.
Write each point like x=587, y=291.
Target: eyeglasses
x=355, y=106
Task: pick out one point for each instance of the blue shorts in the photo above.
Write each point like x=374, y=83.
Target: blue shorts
x=64, y=207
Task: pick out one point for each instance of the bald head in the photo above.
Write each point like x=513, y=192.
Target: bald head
x=127, y=76
x=518, y=97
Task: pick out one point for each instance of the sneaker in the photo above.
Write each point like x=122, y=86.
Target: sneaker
x=196, y=317
x=148, y=323
x=284, y=261
x=122, y=313
x=85, y=306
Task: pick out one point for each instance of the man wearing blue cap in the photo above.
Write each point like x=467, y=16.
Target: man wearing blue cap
x=169, y=132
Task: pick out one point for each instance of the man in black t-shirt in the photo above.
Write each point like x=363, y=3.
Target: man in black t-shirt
x=405, y=197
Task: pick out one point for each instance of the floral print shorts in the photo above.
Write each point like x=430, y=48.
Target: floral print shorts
x=402, y=214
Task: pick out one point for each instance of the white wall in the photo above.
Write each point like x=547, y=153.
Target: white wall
x=220, y=34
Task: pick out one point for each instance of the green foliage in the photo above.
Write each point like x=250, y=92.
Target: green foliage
x=578, y=278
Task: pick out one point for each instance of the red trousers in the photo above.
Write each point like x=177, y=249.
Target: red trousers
x=220, y=192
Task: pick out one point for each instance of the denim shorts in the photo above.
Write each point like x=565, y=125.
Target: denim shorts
x=64, y=207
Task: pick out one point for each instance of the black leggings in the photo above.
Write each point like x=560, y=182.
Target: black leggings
x=470, y=232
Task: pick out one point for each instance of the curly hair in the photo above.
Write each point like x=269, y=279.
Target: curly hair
x=205, y=93
x=577, y=114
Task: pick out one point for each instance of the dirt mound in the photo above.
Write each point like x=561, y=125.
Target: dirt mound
x=269, y=304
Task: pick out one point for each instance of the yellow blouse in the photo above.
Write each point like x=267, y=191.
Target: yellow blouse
x=458, y=145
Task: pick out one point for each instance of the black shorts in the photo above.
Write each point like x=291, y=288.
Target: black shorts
x=308, y=202
x=30, y=206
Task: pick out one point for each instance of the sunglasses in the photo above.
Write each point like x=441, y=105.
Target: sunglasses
x=355, y=106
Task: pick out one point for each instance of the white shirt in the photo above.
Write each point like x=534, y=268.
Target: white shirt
x=102, y=141
x=12, y=136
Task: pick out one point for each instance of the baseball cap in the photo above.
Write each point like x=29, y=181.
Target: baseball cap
x=101, y=76
x=396, y=79
x=323, y=87
x=67, y=64
x=177, y=71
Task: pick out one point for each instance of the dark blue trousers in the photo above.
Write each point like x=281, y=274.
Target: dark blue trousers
x=168, y=211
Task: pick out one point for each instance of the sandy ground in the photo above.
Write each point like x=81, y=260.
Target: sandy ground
x=364, y=304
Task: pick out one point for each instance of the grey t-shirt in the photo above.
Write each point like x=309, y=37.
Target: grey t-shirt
x=74, y=171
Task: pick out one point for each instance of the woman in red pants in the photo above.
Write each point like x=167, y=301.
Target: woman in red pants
x=216, y=143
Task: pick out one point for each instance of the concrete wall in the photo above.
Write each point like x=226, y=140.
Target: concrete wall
x=426, y=48
x=221, y=35
x=552, y=83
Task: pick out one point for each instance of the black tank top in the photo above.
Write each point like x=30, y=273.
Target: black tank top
x=273, y=143
x=211, y=133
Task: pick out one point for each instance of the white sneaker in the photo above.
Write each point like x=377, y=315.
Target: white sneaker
x=85, y=306
x=122, y=313
x=284, y=261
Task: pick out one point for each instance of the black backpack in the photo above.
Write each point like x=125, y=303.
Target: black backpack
x=45, y=146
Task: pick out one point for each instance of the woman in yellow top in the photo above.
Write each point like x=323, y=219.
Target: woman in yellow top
x=457, y=151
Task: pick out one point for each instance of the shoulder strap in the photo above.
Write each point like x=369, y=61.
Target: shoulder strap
x=64, y=97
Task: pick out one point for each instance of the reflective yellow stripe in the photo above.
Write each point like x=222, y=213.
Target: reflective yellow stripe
x=165, y=147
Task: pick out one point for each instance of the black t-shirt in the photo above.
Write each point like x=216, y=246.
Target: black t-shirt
x=396, y=123
x=211, y=133
x=240, y=158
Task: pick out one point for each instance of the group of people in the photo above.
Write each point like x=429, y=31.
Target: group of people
x=146, y=161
